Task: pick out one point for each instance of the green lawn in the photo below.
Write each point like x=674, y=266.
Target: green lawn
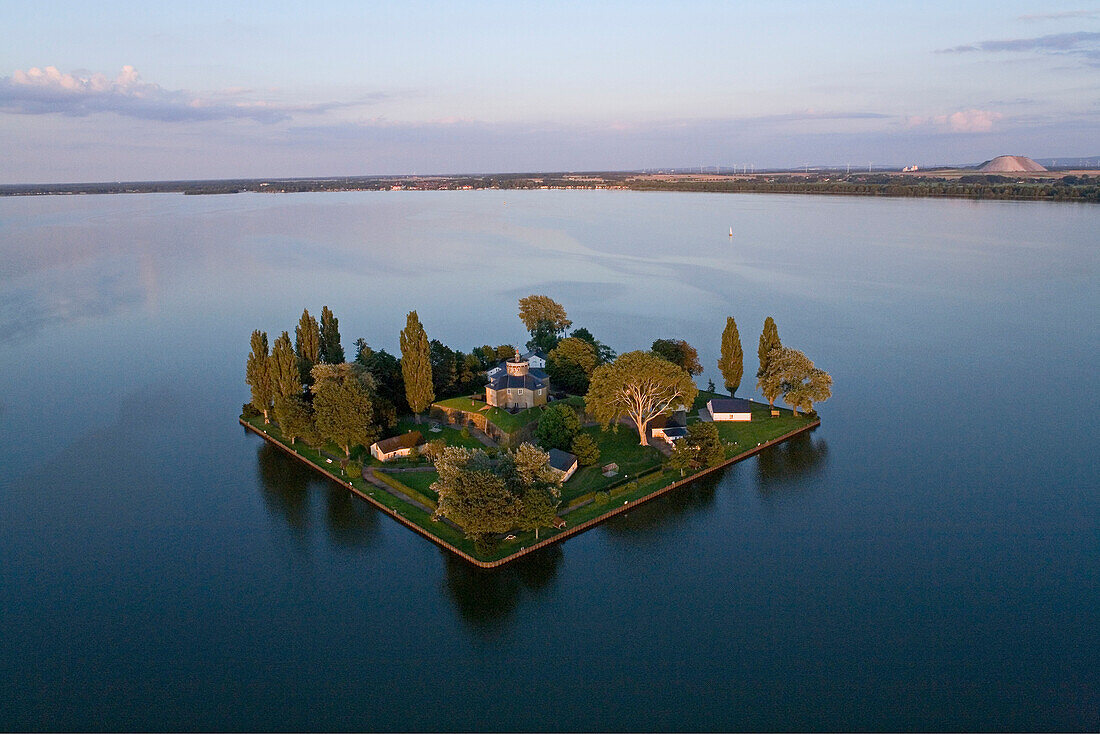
x=619, y=447
x=421, y=481
x=502, y=419
x=763, y=427
x=451, y=436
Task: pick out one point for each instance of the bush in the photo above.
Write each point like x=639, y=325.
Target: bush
x=354, y=469
x=601, y=498
x=248, y=410
x=465, y=432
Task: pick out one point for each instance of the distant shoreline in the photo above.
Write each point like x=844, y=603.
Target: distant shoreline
x=1065, y=185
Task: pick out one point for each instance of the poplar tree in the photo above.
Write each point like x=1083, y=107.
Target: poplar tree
x=769, y=340
x=732, y=361
x=342, y=408
x=307, y=345
x=330, y=350
x=286, y=381
x=416, y=365
x=258, y=375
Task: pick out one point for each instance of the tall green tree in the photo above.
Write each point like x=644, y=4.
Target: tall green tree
x=703, y=438
x=586, y=449
x=258, y=375
x=307, y=345
x=680, y=353
x=558, y=426
x=769, y=340
x=545, y=319
x=538, y=509
x=792, y=374
x=330, y=350
x=342, y=407
x=641, y=386
x=473, y=495
x=682, y=456
x=295, y=418
x=416, y=365
x=570, y=365
x=604, y=353
x=732, y=362
x=285, y=378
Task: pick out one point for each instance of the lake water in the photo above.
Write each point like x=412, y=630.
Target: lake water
x=929, y=558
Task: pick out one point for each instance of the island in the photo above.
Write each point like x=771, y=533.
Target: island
x=495, y=453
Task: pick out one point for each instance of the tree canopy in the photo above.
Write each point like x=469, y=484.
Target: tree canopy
x=257, y=373
x=604, y=353
x=558, y=426
x=679, y=353
x=732, y=362
x=416, y=365
x=535, y=310
x=570, y=365
x=641, y=386
x=792, y=374
x=307, y=345
x=342, y=407
x=330, y=352
x=769, y=340
x=285, y=378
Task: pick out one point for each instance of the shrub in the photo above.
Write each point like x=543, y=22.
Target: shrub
x=601, y=498
x=465, y=432
x=584, y=446
x=354, y=469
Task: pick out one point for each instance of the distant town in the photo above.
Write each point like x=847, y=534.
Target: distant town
x=1004, y=177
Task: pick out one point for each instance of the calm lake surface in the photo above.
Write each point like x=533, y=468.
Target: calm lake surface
x=929, y=558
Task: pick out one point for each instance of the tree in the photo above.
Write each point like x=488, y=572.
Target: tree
x=769, y=340
x=535, y=310
x=680, y=353
x=538, y=510
x=330, y=351
x=792, y=374
x=416, y=365
x=307, y=345
x=386, y=371
x=558, y=426
x=604, y=353
x=570, y=365
x=732, y=362
x=505, y=351
x=444, y=374
x=528, y=467
x=682, y=457
x=640, y=386
x=705, y=443
x=342, y=407
x=283, y=365
x=586, y=450
x=258, y=375
x=472, y=495
x=295, y=418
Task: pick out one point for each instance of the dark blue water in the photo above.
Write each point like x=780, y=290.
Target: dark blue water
x=927, y=559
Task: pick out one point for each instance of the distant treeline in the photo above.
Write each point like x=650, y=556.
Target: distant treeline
x=970, y=186
x=977, y=186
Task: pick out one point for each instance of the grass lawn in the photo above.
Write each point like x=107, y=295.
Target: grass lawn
x=763, y=427
x=451, y=436
x=421, y=481
x=621, y=448
x=502, y=419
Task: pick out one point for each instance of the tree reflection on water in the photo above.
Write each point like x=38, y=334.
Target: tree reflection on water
x=285, y=485
x=784, y=465
x=486, y=596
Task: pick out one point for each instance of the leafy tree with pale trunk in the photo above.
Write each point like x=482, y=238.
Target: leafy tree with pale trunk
x=258, y=374
x=285, y=378
x=330, y=351
x=416, y=365
x=769, y=340
x=641, y=386
x=342, y=407
x=732, y=362
x=307, y=345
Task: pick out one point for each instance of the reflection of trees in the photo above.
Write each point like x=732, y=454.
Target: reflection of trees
x=656, y=514
x=487, y=596
x=285, y=484
x=798, y=458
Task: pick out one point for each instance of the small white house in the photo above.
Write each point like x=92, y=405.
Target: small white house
x=729, y=409
x=396, y=447
x=563, y=463
x=536, y=360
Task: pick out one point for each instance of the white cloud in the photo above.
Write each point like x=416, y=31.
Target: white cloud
x=963, y=121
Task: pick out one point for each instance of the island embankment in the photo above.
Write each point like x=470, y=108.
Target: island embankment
x=392, y=505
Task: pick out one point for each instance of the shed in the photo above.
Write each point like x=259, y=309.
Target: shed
x=396, y=447
x=729, y=409
x=563, y=463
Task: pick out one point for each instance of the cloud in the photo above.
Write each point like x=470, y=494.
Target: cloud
x=78, y=94
x=963, y=121
x=1085, y=44
x=1060, y=16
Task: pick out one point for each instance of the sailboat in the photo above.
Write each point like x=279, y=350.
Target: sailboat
x=731, y=231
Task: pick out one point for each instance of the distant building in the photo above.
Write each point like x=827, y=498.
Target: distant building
x=396, y=447
x=563, y=463
x=518, y=386
x=729, y=409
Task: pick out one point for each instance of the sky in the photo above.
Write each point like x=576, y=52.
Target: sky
x=118, y=91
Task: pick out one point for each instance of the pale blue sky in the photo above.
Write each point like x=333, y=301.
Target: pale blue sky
x=225, y=89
